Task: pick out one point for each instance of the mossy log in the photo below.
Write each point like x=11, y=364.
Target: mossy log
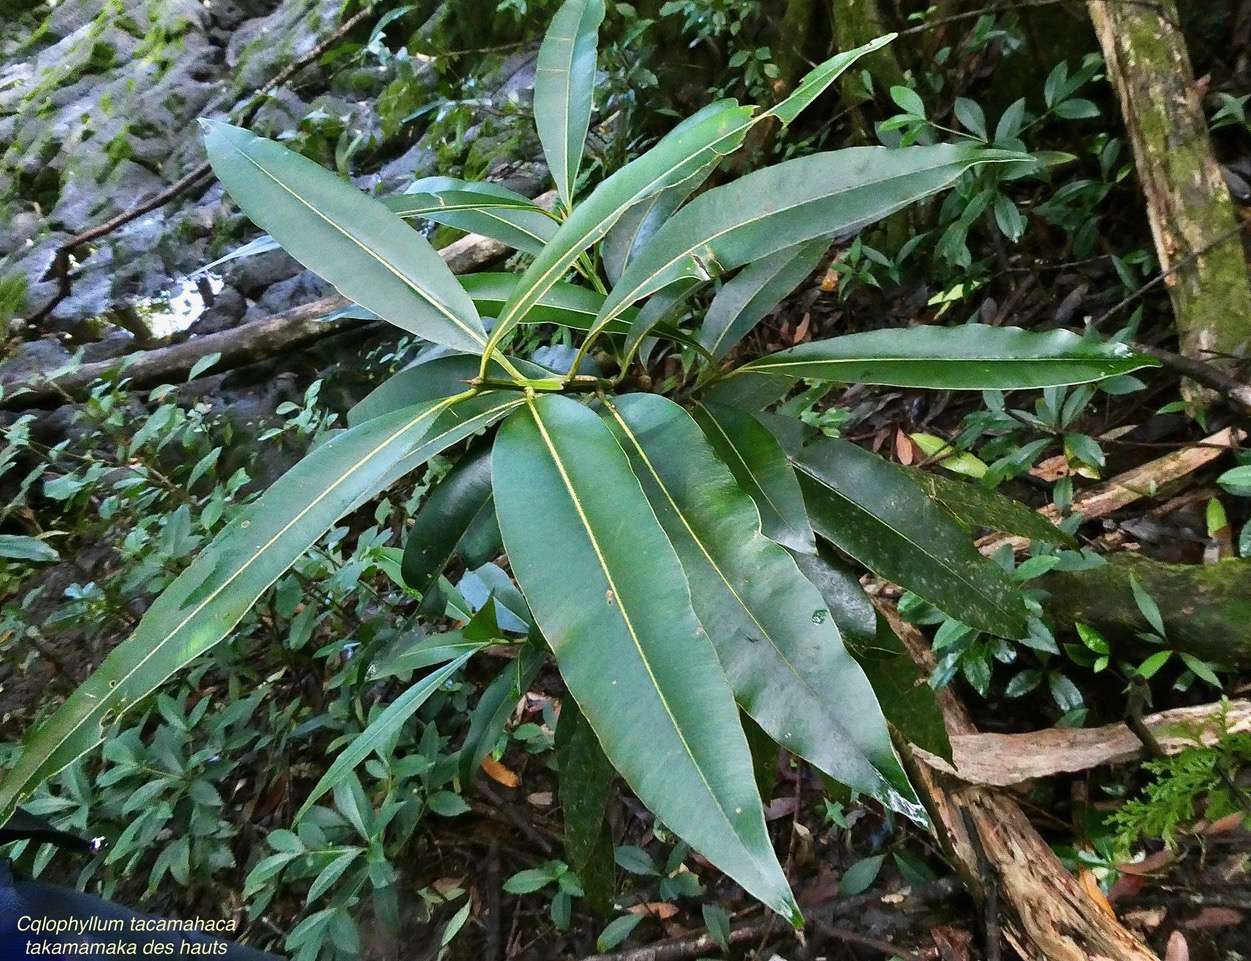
x=1206, y=608
x=1188, y=203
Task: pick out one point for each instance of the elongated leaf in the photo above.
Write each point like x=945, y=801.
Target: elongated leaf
x=818, y=80
x=211, y=596
x=564, y=84
x=791, y=203
x=564, y=304
x=751, y=392
x=903, y=692
x=483, y=208
x=380, y=730
x=614, y=604
x=972, y=357
x=974, y=505
x=675, y=159
x=416, y=652
x=743, y=301
x=772, y=630
x=17, y=547
x=762, y=470
x=496, y=706
x=429, y=380
x=350, y=239
x=874, y=512
x=586, y=779
x=461, y=503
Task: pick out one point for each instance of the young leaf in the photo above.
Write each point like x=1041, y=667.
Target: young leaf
x=625, y=637
x=564, y=83
x=202, y=605
x=743, y=301
x=380, y=730
x=678, y=156
x=874, y=512
x=772, y=630
x=972, y=357
x=351, y=239
x=790, y=203
x=760, y=466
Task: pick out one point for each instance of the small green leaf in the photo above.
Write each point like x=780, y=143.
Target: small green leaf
x=860, y=876
x=17, y=547
x=447, y=804
x=1146, y=604
x=1237, y=480
x=717, y=921
x=636, y=861
x=616, y=932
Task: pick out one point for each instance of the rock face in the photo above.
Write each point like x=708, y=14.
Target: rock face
x=98, y=107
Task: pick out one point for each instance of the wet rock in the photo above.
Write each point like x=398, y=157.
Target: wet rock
x=119, y=343
x=252, y=276
x=286, y=294
x=33, y=359
x=228, y=308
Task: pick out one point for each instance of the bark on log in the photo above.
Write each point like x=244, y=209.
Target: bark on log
x=1205, y=607
x=1002, y=760
x=241, y=345
x=1045, y=914
x=1188, y=203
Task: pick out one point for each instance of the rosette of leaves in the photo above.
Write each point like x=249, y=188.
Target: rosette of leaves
x=653, y=540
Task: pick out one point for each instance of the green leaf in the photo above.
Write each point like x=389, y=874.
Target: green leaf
x=717, y=921
x=586, y=778
x=972, y=357
x=636, y=861
x=477, y=207
x=616, y=932
x=350, y=239
x=412, y=653
x=676, y=158
x=906, y=699
x=743, y=301
x=1237, y=480
x=772, y=630
x=874, y=512
x=860, y=876
x=975, y=506
x=625, y=637
x=1147, y=605
x=564, y=86
x=447, y=804
x=818, y=80
x=331, y=873
x=380, y=730
x=496, y=706
x=212, y=595
x=15, y=547
x=790, y=203
x=760, y=466
x=457, y=518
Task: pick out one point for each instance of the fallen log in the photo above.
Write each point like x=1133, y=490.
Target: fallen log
x=1002, y=760
x=1205, y=607
x=1026, y=893
x=241, y=345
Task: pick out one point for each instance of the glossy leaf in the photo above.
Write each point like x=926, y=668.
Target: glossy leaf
x=753, y=292
x=772, y=630
x=972, y=357
x=212, y=595
x=874, y=512
x=565, y=305
x=676, y=158
x=413, y=653
x=625, y=637
x=496, y=706
x=432, y=379
x=350, y=239
x=761, y=468
x=380, y=730
x=477, y=207
x=564, y=85
x=818, y=80
x=790, y=203
x=459, y=506
x=18, y=547
x=975, y=506
x=902, y=691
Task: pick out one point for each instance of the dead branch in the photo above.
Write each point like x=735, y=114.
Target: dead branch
x=245, y=344
x=1124, y=489
x=1002, y=760
x=1043, y=912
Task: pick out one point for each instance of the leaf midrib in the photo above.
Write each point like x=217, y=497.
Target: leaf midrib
x=599, y=555
x=399, y=274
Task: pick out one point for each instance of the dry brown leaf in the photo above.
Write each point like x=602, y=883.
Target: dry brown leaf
x=1090, y=885
x=540, y=799
x=498, y=773
x=1215, y=916
x=654, y=909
